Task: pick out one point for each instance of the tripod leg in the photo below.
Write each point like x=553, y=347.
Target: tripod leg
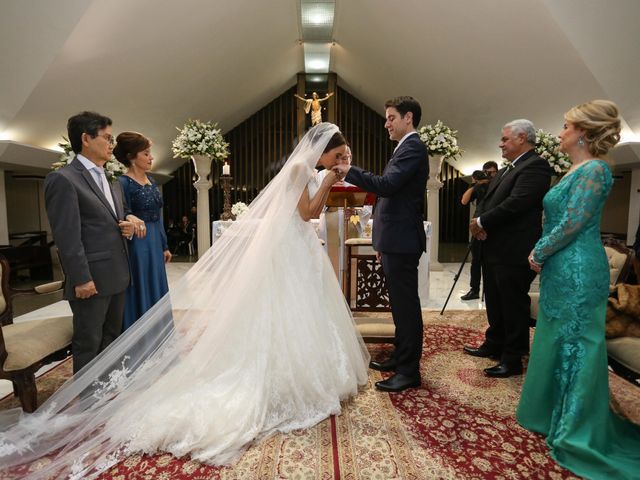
x=455, y=279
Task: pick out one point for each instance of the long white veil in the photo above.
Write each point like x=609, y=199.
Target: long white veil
x=76, y=433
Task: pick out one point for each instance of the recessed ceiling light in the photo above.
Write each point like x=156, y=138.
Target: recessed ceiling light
x=316, y=22
x=317, y=64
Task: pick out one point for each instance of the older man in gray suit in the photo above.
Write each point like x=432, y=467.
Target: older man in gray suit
x=87, y=216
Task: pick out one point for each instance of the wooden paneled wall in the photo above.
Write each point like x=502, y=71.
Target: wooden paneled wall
x=260, y=145
x=179, y=194
x=365, y=132
x=454, y=217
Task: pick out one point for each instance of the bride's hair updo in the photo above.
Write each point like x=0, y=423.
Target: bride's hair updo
x=336, y=141
x=128, y=145
x=599, y=119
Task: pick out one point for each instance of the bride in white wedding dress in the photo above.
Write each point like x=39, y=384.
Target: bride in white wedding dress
x=256, y=338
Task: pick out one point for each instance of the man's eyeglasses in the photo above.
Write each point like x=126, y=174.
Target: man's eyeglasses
x=109, y=138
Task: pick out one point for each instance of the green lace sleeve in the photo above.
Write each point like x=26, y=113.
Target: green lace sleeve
x=586, y=193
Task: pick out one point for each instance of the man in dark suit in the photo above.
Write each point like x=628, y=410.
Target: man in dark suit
x=86, y=213
x=509, y=222
x=398, y=236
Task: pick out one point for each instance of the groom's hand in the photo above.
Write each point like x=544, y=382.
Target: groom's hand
x=341, y=170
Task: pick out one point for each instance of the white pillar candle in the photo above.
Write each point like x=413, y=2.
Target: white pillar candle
x=226, y=169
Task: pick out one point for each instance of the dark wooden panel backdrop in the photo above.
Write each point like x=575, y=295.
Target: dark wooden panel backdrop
x=260, y=145
x=364, y=130
x=454, y=217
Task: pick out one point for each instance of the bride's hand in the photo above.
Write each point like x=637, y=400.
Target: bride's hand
x=331, y=178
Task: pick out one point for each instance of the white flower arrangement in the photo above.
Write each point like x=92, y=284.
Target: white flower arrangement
x=200, y=138
x=238, y=209
x=112, y=169
x=440, y=140
x=547, y=146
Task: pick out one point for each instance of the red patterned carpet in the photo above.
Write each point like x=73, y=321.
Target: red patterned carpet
x=459, y=425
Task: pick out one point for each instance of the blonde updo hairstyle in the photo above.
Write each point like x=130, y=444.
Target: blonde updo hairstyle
x=600, y=122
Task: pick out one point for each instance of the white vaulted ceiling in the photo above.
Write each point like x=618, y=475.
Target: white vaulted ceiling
x=150, y=64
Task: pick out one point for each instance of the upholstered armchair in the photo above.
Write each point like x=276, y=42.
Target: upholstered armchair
x=26, y=346
x=624, y=352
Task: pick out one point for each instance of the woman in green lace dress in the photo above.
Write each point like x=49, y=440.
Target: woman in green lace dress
x=566, y=392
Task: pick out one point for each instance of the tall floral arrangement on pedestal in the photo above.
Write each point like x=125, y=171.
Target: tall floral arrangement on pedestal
x=112, y=169
x=440, y=140
x=547, y=146
x=200, y=138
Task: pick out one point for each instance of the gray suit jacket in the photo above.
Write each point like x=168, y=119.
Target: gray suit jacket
x=85, y=230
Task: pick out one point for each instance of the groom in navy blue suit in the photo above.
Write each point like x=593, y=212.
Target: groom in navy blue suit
x=398, y=236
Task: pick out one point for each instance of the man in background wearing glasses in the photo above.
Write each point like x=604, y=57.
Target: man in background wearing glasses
x=89, y=221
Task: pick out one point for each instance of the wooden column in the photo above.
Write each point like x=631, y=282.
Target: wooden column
x=300, y=115
x=332, y=102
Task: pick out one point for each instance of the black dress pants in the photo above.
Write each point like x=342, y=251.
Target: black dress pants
x=506, y=292
x=401, y=273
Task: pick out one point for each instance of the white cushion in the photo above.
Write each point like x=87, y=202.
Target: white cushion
x=49, y=287
x=616, y=263
x=375, y=327
x=29, y=342
x=358, y=241
x=625, y=350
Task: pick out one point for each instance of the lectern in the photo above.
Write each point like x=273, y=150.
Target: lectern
x=348, y=198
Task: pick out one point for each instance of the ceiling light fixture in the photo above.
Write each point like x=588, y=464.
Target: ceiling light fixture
x=316, y=28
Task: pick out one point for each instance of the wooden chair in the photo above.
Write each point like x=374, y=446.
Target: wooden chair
x=27, y=346
x=620, y=260
x=623, y=352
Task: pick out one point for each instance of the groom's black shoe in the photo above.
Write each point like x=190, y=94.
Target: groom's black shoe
x=386, y=366
x=481, y=351
x=504, y=370
x=398, y=383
